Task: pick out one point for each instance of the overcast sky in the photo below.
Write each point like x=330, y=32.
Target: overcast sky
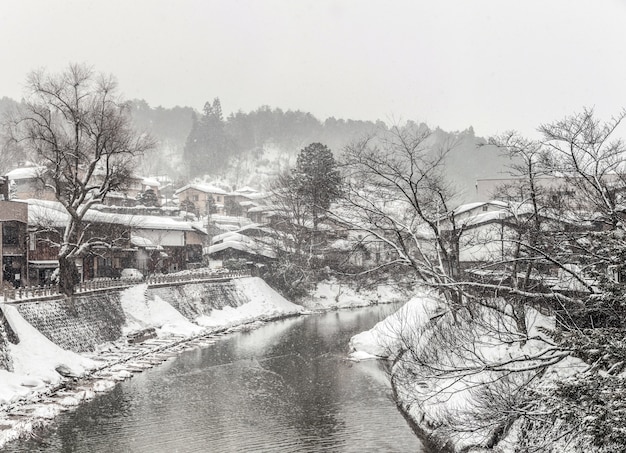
x=492, y=64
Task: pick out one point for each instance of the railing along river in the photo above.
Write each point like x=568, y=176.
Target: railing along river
x=31, y=293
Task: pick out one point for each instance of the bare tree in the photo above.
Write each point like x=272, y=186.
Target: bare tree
x=561, y=231
x=398, y=194
x=76, y=125
x=591, y=159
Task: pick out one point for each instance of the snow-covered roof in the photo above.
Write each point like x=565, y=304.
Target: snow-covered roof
x=142, y=242
x=255, y=196
x=249, y=193
x=150, y=182
x=485, y=217
x=199, y=228
x=263, y=209
x=245, y=190
x=231, y=236
x=253, y=249
x=240, y=232
x=203, y=188
x=469, y=206
x=53, y=214
x=25, y=173
x=255, y=226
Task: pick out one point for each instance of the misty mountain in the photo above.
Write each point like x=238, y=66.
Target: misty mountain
x=249, y=148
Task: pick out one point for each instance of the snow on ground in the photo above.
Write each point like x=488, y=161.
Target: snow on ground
x=35, y=358
x=264, y=303
x=14, y=385
x=332, y=294
x=385, y=338
x=142, y=313
x=445, y=401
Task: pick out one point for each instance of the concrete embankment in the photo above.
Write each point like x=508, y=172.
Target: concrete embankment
x=48, y=347
x=84, y=322
x=79, y=324
x=200, y=299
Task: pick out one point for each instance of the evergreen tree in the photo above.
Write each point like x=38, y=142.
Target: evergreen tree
x=207, y=147
x=148, y=198
x=211, y=207
x=188, y=206
x=217, y=110
x=233, y=208
x=316, y=179
x=193, y=147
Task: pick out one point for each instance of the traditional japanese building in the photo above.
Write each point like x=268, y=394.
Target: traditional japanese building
x=13, y=238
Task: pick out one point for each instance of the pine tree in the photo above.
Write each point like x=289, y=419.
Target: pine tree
x=217, y=110
x=207, y=147
x=148, y=198
x=316, y=179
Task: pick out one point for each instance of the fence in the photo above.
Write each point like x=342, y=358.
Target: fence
x=100, y=284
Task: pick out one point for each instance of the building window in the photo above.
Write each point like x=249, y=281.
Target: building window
x=485, y=207
x=195, y=198
x=10, y=235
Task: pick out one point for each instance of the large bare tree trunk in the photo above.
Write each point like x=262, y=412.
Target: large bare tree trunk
x=68, y=275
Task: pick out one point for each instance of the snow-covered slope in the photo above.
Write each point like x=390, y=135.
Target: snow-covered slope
x=332, y=294
x=263, y=303
x=443, y=367
x=35, y=359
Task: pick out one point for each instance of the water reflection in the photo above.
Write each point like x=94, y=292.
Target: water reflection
x=284, y=387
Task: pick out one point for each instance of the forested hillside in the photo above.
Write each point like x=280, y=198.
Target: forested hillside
x=246, y=148
x=249, y=148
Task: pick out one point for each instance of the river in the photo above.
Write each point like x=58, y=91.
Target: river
x=284, y=387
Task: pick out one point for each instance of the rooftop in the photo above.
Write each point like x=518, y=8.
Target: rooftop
x=203, y=188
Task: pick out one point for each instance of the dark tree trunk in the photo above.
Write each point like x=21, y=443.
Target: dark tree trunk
x=68, y=275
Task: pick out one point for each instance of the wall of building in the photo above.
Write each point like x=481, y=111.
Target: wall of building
x=164, y=238
x=200, y=198
x=13, y=241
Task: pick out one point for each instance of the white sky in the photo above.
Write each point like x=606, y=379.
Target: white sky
x=493, y=64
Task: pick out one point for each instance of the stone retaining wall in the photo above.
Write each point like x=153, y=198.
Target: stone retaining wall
x=78, y=324
x=83, y=322
x=198, y=299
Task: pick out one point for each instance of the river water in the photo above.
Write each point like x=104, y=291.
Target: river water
x=285, y=387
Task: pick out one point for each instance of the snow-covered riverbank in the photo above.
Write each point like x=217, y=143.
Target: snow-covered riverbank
x=445, y=402
x=46, y=379
x=333, y=294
